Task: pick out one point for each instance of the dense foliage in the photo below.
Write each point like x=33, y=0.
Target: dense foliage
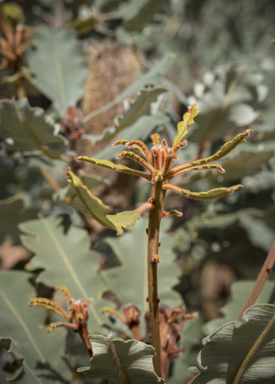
x=79, y=76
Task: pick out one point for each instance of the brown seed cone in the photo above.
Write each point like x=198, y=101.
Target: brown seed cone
x=113, y=69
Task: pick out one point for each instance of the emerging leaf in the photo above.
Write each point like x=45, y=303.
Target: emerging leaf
x=115, y=167
x=240, y=352
x=119, y=361
x=212, y=194
x=87, y=203
x=188, y=119
x=124, y=219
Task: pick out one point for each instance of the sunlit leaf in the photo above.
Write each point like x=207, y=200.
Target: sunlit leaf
x=121, y=361
x=24, y=374
x=188, y=119
x=229, y=99
x=240, y=352
x=124, y=219
x=65, y=257
x=54, y=60
x=29, y=129
x=42, y=353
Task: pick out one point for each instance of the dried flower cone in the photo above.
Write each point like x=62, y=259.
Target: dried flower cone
x=113, y=69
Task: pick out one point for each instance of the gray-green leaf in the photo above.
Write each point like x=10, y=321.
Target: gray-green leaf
x=29, y=129
x=127, y=362
x=58, y=66
x=241, y=352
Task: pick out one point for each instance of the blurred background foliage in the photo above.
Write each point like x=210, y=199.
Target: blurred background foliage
x=79, y=75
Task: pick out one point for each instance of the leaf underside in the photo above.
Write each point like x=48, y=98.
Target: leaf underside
x=241, y=353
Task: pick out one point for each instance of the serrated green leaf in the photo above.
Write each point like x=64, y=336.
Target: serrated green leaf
x=124, y=219
x=240, y=291
x=241, y=352
x=87, y=203
x=12, y=213
x=66, y=259
x=130, y=278
x=228, y=99
x=43, y=353
x=24, y=374
x=57, y=65
x=121, y=361
x=29, y=129
x=137, y=108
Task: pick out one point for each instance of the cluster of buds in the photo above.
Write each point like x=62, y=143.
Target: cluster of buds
x=131, y=318
x=72, y=123
x=77, y=317
x=159, y=161
x=12, y=44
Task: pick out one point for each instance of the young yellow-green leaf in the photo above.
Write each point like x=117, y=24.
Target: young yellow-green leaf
x=120, y=361
x=87, y=203
x=115, y=167
x=124, y=219
x=188, y=119
x=225, y=149
x=240, y=352
x=212, y=194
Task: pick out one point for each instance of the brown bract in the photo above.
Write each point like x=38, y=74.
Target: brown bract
x=12, y=44
x=77, y=317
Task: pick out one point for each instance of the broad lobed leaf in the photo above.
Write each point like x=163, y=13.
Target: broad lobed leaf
x=42, y=353
x=29, y=129
x=121, y=361
x=56, y=58
x=63, y=252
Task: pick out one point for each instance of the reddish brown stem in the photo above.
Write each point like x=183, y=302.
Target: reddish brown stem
x=158, y=196
x=262, y=277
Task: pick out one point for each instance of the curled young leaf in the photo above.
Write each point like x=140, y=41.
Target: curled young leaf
x=212, y=194
x=114, y=167
x=188, y=119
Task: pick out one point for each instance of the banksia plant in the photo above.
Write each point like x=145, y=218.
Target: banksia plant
x=159, y=169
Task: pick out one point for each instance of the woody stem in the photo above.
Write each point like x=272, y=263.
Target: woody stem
x=158, y=197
